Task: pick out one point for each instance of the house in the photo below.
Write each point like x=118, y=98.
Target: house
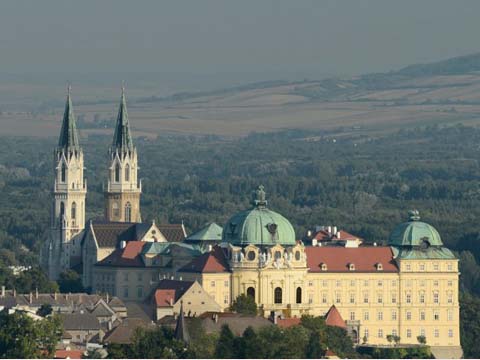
x=124, y=332
x=82, y=327
x=207, y=237
x=171, y=294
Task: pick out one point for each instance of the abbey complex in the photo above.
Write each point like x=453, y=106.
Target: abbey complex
x=408, y=288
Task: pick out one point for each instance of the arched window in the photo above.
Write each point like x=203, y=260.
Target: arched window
x=115, y=209
x=117, y=173
x=251, y=292
x=299, y=295
x=62, y=211
x=128, y=212
x=127, y=173
x=63, y=172
x=74, y=211
x=278, y=295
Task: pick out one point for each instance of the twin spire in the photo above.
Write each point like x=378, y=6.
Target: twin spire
x=122, y=139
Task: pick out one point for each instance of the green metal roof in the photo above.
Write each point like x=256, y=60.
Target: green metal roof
x=68, y=134
x=211, y=232
x=165, y=247
x=441, y=253
x=415, y=233
x=259, y=225
x=122, y=138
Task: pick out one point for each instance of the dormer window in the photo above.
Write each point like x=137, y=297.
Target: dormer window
x=323, y=266
x=379, y=266
x=351, y=267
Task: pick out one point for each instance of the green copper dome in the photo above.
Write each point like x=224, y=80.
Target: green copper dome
x=259, y=226
x=415, y=233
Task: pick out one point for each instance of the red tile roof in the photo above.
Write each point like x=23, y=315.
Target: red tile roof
x=170, y=289
x=333, y=318
x=164, y=296
x=212, y=262
x=68, y=354
x=286, y=323
x=129, y=256
x=338, y=259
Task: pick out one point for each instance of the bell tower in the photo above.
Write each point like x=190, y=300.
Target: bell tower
x=122, y=196
x=69, y=192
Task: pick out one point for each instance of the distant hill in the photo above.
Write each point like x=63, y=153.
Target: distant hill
x=454, y=66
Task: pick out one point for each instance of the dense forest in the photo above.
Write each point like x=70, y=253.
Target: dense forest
x=362, y=184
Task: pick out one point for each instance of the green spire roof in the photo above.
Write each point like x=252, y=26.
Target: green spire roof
x=259, y=225
x=122, y=138
x=68, y=134
x=211, y=231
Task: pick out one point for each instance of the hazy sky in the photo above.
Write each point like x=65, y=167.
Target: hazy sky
x=255, y=39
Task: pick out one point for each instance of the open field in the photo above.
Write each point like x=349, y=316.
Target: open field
x=371, y=104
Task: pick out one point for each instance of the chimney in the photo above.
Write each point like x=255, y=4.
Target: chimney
x=14, y=292
x=215, y=318
x=210, y=248
x=108, y=297
x=180, y=278
x=329, y=229
x=36, y=293
x=123, y=244
x=374, y=244
x=3, y=291
x=335, y=230
x=309, y=233
x=66, y=296
x=314, y=242
x=338, y=234
x=171, y=302
x=55, y=296
x=30, y=298
x=109, y=325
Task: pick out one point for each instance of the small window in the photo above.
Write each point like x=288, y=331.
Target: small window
x=352, y=282
x=408, y=298
x=226, y=283
x=408, y=315
x=380, y=333
x=338, y=298
x=140, y=292
x=351, y=267
x=63, y=172
x=449, y=315
x=74, y=211
x=251, y=255
x=380, y=316
x=394, y=315
x=212, y=283
x=310, y=283
x=278, y=295
x=436, y=333
x=297, y=255
x=324, y=298
x=436, y=298
x=379, y=267
x=435, y=283
x=408, y=267
x=127, y=173
x=352, y=298
x=436, y=315
x=422, y=267
x=128, y=212
x=323, y=266
x=409, y=333
x=366, y=316
x=450, y=267
x=251, y=292
x=278, y=255
x=365, y=297
x=422, y=298
x=450, y=333
x=422, y=315
x=117, y=173
x=299, y=295
x=450, y=283
x=435, y=267
x=352, y=315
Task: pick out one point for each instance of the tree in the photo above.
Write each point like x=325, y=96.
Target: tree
x=315, y=349
x=244, y=304
x=22, y=337
x=70, y=281
x=396, y=339
x=470, y=325
x=157, y=343
x=421, y=339
x=390, y=339
x=34, y=279
x=252, y=344
x=224, y=349
x=45, y=310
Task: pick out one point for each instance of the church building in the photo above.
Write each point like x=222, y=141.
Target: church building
x=73, y=241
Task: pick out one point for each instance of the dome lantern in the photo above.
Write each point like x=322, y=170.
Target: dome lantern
x=415, y=233
x=259, y=225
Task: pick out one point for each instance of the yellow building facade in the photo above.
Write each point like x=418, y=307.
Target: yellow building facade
x=408, y=289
